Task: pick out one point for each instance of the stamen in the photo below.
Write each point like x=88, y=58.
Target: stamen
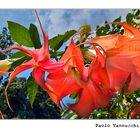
x=36, y=64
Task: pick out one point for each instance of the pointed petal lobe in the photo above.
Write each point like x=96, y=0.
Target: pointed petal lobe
x=50, y=66
x=77, y=59
x=44, y=49
x=17, y=47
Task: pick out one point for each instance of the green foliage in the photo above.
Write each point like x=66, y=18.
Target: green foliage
x=5, y=39
x=133, y=18
x=19, y=58
x=109, y=29
x=5, y=42
x=32, y=89
x=67, y=114
x=57, y=41
x=57, y=54
x=119, y=108
x=17, y=55
x=34, y=36
x=42, y=108
x=85, y=31
x=129, y=18
x=20, y=34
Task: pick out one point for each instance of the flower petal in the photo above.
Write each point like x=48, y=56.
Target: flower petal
x=3, y=72
x=110, y=41
x=75, y=53
x=89, y=99
x=99, y=75
x=120, y=66
x=50, y=66
x=62, y=84
x=18, y=70
x=17, y=47
x=38, y=75
x=44, y=51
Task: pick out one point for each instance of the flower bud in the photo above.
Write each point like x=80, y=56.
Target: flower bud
x=89, y=54
x=5, y=65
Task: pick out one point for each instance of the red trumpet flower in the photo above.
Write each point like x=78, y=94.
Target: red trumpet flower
x=78, y=80
x=96, y=92
x=122, y=57
x=66, y=81
x=40, y=62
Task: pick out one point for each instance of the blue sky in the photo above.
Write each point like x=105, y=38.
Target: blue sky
x=57, y=21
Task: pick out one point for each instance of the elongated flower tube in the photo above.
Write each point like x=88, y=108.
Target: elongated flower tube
x=40, y=62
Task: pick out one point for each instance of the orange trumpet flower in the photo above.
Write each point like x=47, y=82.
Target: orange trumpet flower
x=77, y=80
x=66, y=81
x=122, y=57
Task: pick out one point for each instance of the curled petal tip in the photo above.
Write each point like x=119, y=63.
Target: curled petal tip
x=8, y=103
x=45, y=36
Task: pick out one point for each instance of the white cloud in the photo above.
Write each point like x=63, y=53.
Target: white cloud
x=57, y=21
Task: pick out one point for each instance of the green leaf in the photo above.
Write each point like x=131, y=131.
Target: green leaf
x=57, y=41
x=20, y=34
x=74, y=95
x=117, y=19
x=35, y=36
x=19, y=61
x=20, y=58
x=69, y=116
x=129, y=18
x=57, y=54
x=137, y=12
x=18, y=54
x=32, y=89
